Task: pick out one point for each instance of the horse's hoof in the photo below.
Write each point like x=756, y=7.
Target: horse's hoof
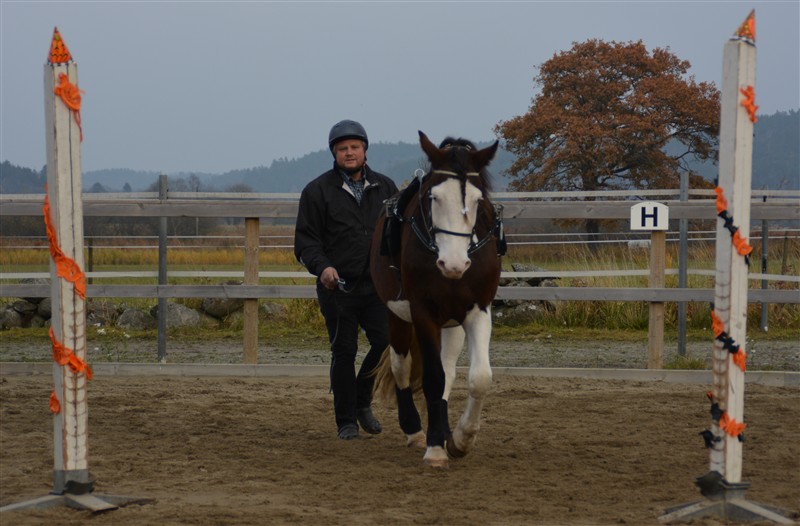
x=436, y=457
x=437, y=463
x=452, y=450
x=416, y=440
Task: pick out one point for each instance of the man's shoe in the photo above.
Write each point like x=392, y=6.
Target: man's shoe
x=368, y=421
x=348, y=432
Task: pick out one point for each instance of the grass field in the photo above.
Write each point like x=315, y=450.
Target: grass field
x=614, y=319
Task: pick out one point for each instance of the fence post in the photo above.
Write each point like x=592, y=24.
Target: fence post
x=655, y=332
x=162, y=272
x=654, y=217
x=251, y=232
x=683, y=263
x=90, y=258
x=764, y=281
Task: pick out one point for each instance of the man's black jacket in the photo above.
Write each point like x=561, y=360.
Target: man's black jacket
x=332, y=229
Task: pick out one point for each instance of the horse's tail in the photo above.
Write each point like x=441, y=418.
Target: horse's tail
x=385, y=385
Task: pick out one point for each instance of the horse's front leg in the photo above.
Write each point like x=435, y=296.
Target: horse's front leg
x=433, y=382
x=478, y=328
x=452, y=345
x=401, y=360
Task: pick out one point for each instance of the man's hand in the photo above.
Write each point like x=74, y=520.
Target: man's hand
x=329, y=277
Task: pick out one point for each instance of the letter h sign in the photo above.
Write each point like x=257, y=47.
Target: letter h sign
x=649, y=215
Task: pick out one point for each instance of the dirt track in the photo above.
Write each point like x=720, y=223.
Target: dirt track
x=263, y=451
x=762, y=354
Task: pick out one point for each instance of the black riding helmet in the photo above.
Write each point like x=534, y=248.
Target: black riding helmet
x=347, y=129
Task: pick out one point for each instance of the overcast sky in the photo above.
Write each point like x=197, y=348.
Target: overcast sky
x=214, y=86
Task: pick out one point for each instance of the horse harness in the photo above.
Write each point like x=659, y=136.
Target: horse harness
x=427, y=231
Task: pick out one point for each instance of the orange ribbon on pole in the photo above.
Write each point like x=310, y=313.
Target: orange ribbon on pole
x=722, y=203
x=743, y=248
x=63, y=355
x=749, y=102
x=55, y=404
x=65, y=266
x=731, y=426
x=738, y=354
x=71, y=96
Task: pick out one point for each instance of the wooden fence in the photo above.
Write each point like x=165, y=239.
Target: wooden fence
x=518, y=207
x=781, y=206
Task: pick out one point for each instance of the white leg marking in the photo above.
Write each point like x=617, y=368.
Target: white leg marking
x=401, y=368
x=478, y=327
x=452, y=345
x=436, y=457
x=416, y=440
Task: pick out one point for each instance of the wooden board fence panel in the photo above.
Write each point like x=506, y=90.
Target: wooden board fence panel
x=514, y=210
x=32, y=290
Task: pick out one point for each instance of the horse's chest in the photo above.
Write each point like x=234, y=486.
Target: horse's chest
x=402, y=309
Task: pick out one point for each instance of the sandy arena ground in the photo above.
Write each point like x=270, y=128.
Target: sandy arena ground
x=254, y=451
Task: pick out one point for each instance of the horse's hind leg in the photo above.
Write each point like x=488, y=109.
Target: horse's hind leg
x=407, y=412
x=401, y=365
x=478, y=326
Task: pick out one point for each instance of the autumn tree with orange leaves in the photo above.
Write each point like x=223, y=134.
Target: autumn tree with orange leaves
x=604, y=118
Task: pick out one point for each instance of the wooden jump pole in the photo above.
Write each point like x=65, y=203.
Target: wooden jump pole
x=722, y=485
x=69, y=311
x=63, y=216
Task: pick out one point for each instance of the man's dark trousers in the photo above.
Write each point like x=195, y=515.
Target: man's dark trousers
x=344, y=313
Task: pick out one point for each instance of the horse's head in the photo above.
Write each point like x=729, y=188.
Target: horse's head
x=457, y=185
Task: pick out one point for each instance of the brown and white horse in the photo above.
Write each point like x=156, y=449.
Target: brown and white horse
x=438, y=279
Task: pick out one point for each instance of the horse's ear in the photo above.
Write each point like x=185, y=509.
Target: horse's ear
x=483, y=157
x=430, y=149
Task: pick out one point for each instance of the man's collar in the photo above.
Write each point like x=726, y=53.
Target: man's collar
x=348, y=176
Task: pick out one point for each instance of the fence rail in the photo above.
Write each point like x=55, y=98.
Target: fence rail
x=526, y=205
x=228, y=291
x=765, y=206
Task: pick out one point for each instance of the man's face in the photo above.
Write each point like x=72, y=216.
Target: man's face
x=350, y=154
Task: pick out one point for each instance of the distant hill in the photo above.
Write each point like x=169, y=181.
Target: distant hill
x=776, y=151
x=19, y=180
x=398, y=161
x=776, y=166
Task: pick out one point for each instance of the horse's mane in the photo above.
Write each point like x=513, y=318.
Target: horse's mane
x=458, y=150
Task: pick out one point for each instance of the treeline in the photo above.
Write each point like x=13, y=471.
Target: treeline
x=776, y=166
x=21, y=180
x=776, y=151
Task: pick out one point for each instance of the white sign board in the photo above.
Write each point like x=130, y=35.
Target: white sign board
x=649, y=215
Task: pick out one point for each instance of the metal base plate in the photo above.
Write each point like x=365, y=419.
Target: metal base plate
x=86, y=501
x=733, y=510
x=724, y=500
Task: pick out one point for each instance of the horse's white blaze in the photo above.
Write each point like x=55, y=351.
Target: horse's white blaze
x=401, y=309
x=452, y=345
x=401, y=368
x=448, y=212
x=478, y=328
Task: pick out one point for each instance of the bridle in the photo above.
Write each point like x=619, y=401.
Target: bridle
x=426, y=234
